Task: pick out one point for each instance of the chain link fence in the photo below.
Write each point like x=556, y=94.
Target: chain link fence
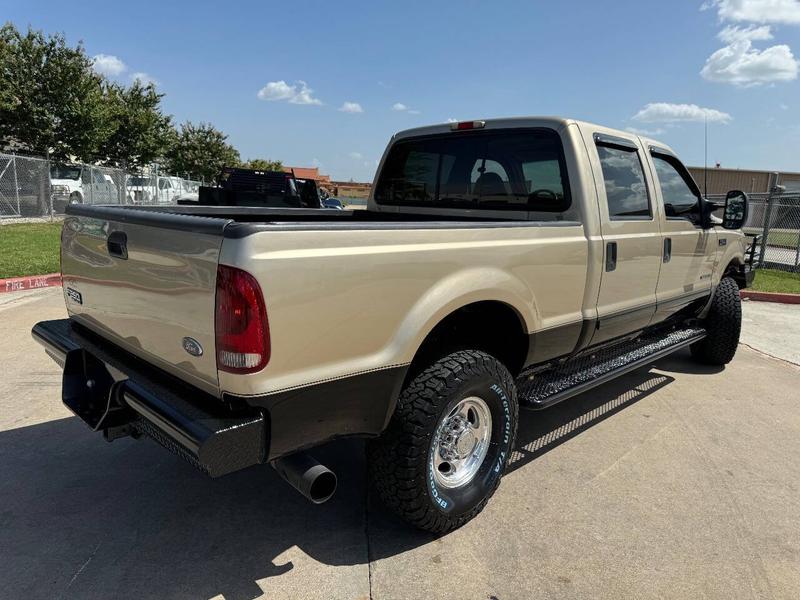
x=775, y=218
x=36, y=187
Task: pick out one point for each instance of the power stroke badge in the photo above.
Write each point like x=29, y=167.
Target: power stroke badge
x=74, y=295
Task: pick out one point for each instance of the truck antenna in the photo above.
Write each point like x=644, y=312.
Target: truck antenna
x=705, y=161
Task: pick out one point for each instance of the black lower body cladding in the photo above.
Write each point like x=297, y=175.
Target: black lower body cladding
x=303, y=417
x=117, y=394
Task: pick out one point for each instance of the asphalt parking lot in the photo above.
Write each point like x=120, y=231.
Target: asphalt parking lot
x=677, y=481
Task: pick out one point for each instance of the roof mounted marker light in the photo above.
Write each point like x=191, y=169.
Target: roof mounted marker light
x=464, y=125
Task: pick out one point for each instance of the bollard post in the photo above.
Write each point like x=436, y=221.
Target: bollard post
x=16, y=183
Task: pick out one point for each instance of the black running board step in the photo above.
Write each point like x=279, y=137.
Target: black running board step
x=593, y=367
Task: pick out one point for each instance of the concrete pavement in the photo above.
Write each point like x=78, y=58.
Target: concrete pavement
x=773, y=329
x=677, y=481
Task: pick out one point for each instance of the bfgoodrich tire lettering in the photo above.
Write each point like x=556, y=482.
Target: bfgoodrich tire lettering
x=723, y=325
x=402, y=459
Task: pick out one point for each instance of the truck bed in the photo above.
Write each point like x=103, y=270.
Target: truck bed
x=174, y=217
x=344, y=290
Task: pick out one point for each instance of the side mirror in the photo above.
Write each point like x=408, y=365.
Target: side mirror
x=735, y=210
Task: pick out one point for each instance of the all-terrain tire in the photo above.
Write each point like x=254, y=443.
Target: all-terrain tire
x=401, y=461
x=723, y=324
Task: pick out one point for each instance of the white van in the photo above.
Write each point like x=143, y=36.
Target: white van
x=82, y=184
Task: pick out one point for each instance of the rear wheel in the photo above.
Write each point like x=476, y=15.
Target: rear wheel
x=723, y=325
x=447, y=445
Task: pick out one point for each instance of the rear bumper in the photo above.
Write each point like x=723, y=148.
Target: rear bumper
x=118, y=394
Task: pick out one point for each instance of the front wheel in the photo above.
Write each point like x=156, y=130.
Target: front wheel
x=723, y=325
x=448, y=443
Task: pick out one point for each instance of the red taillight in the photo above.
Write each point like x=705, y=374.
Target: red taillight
x=241, y=325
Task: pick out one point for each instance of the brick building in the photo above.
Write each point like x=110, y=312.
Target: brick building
x=308, y=173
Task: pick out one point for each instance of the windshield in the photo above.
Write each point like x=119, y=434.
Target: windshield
x=139, y=181
x=64, y=172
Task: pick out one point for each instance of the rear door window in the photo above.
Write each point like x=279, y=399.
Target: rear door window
x=523, y=170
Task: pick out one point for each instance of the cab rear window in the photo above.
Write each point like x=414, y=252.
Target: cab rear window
x=522, y=170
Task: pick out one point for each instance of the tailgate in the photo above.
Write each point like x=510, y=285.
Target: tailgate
x=145, y=280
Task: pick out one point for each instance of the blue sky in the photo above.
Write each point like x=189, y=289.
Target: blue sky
x=415, y=63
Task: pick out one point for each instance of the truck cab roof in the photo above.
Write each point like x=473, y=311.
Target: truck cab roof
x=570, y=132
x=550, y=121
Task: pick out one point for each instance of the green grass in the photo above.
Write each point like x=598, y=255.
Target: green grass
x=785, y=238
x=771, y=280
x=29, y=249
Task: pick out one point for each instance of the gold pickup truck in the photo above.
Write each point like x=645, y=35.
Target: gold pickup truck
x=500, y=264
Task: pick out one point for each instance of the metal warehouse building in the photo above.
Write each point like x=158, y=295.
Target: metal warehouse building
x=721, y=180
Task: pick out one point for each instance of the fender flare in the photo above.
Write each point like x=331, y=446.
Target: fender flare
x=457, y=291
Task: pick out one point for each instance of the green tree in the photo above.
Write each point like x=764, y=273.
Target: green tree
x=140, y=131
x=200, y=151
x=262, y=164
x=50, y=99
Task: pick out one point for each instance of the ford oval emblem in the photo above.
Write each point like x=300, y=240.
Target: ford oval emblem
x=192, y=346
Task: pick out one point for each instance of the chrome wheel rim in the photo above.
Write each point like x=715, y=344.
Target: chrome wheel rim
x=461, y=442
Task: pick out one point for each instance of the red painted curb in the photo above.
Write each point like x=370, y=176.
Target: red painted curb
x=771, y=297
x=32, y=282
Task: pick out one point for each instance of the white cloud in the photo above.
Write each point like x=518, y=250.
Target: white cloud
x=356, y=155
x=107, y=64
x=143, y=78
x=665, y=112
x=112, y=66
x=734, y=33
x=452, y=120
x=637, y=131
x=741, y=64
x=400, y=107
x=351, y=107
x=757, y=11
x=784, y=106
x=298, y=93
